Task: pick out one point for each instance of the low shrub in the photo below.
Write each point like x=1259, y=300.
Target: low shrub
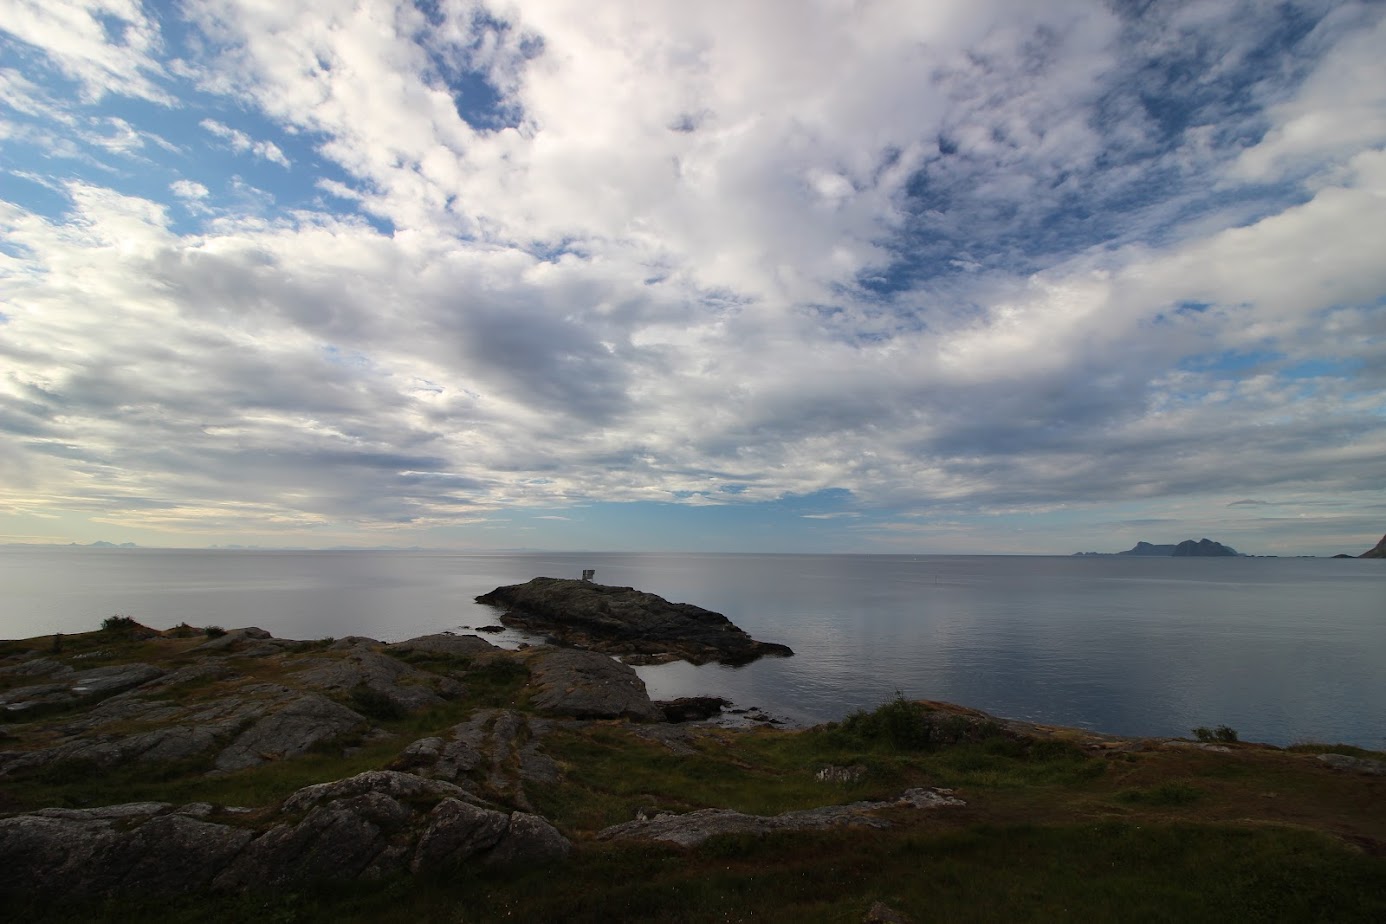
x=908, y=726
x=118, y=623
x=373, y=704
x=214, y=631
x=1222, y=734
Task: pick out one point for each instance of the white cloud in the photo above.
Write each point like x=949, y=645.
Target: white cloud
x=107, y=46
x=720, y=259
x=188, y=189
x=1337, y=111
x=240, y=142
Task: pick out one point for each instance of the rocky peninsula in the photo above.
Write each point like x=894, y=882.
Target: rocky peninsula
x=198, y=774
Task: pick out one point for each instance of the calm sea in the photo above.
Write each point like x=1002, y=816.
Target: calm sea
x=1283, y=650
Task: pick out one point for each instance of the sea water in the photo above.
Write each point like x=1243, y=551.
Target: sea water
x=1282, y=650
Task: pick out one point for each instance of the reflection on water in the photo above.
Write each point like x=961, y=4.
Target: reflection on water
x=1281, y=649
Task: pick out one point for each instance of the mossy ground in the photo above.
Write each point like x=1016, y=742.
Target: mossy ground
x=1058, y=824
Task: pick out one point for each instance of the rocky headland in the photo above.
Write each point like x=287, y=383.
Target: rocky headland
x=1377, y=551
x=643, y=628
x=193, y=774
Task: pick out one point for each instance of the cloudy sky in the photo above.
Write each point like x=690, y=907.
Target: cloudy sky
x=840, y=275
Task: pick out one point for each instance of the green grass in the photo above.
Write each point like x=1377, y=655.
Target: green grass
x=1311, y=747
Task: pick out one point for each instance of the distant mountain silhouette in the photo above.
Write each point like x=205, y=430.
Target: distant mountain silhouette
x=1189, y=548
x=1378, y=552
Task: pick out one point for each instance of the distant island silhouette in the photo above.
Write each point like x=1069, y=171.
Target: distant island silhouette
x=1189, y=548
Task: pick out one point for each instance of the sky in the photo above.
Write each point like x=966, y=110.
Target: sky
x=786, y=276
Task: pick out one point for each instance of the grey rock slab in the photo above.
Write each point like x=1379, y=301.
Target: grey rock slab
x=1355, y=764
x=36, y=667
x=693, y=828
x=234, y=639
x=446, y=643
x=529, y=841
x=93, y=855
x=590, y=685
x=338, y=840
x=405, y=686
x=455, y=831
x=392, y=783
x=126, y=810
x=290, y=731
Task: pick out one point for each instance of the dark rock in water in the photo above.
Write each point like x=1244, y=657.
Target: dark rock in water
x=590, y=685
x=1378, y=552
x=625, y=621
x=691, y=708
x=491, y=629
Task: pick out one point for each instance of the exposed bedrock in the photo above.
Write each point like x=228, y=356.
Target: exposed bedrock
x=375, y=824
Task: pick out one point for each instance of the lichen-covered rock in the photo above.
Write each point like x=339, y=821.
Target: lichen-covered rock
x=290, y=731
x=447, y=644
x=234, y=640
x=67, y=688
x=590, y=685
x=340, y=839
x=374, y=824
x=1355, y=764
x=625, y=621
x=693, y=828
x=405, y=687
x=81, y=854
x=457, y=830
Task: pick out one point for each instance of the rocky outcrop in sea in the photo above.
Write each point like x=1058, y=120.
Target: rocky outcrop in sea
x=641, y=627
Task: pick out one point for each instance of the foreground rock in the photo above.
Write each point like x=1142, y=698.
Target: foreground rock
x=644, y=627
x=375, y=824
x=695, y=827
x=588, y=685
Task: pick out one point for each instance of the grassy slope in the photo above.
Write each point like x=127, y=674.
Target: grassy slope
x=1062, y=824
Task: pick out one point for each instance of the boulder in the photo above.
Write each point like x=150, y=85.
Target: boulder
x=446, y=643
x=90, y=853
x=625, y=621
x=589, y=685
x=691, y=708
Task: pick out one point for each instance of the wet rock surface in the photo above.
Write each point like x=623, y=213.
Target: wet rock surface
x=691, y=708
x=644, y=627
